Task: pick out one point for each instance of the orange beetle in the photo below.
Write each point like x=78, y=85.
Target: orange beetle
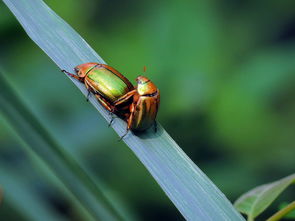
x=144, y=107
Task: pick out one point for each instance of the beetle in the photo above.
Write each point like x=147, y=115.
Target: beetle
x=144, y=107
x=106, y=83
x=137, y=106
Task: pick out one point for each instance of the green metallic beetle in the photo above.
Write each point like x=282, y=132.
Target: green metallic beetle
x=137, y=106
x=106, y=83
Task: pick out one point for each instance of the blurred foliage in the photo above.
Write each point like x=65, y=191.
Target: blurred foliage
x=226, y=72
x=255, y=201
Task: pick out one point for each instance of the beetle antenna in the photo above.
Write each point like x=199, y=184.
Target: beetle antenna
x=144, y=68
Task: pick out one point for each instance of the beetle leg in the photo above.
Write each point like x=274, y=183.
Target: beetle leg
x=113, y=118
x=88, y=95
x=72, y=75
x=111, y=121
x=124, y=98
x=129, y=120
x=121, y=138
x=132, y=112
x=104, y=103
x=89, y=90
x=155, y=126
x=107, y=106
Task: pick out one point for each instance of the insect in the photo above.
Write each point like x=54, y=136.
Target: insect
x=144, y=107
x=106, y=83
x=137, y=106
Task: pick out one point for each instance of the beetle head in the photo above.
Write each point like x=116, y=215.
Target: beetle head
x=145, y=86
x=83, y=69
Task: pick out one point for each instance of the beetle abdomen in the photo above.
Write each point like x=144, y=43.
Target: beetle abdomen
x=145, y=113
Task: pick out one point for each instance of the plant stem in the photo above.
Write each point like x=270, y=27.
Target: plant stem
x=250, y=218
x=280, y=214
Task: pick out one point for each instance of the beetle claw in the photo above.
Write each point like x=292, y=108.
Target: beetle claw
x=155, y=127
x=111, y=122
x=121, y=138
x=88, y=95
x=64, y=71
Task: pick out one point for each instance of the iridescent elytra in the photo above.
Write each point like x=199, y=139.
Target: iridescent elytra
x=144, y=107
x=106, y=83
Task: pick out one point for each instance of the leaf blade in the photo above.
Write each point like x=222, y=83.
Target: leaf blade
x=258, y=199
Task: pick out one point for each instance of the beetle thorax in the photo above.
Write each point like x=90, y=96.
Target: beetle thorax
x=83, y=69
x=145, y=86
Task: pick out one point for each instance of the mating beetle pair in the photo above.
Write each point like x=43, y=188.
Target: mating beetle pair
x=138, y=106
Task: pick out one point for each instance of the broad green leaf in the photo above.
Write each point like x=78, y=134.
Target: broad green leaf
x=258, y=199
x=192, y=192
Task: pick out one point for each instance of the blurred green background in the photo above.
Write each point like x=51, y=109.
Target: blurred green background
x=226, y=71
